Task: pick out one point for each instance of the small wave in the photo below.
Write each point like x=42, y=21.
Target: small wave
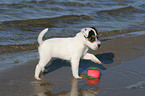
x=15, y=48
x=17, y=5
x=143, y=5
x=121, y=11
x=47, y=22
x=40, y=2
x=60, y=3
x=139, y=85
x=120, y=32
x=132, y=29
x=76, y=4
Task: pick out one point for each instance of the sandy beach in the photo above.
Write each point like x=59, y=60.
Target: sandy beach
x=122, y=74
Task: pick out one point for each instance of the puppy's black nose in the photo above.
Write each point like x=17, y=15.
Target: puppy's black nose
x=99, y=45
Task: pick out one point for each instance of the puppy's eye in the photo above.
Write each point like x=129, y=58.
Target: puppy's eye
x=85, y=29
x=92, y=38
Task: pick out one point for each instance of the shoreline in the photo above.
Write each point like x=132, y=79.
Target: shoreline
x=19, y=80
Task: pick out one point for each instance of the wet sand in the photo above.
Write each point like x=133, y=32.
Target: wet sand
x=122, y=73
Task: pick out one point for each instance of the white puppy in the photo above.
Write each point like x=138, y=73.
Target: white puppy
x=72, y=49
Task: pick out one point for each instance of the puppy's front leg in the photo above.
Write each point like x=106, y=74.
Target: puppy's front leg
x=89, y=56
x=75, y=67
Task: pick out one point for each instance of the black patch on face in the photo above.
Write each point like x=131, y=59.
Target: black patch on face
x=96, y=32
x=91, y=36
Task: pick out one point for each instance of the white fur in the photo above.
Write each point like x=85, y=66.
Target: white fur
x=72, y=49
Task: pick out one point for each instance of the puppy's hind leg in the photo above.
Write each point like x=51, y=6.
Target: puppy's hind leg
x=40, y=67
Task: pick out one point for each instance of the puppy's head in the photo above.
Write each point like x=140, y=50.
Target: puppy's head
x=91, y=36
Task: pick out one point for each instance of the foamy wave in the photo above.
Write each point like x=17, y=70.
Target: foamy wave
x=138, y=85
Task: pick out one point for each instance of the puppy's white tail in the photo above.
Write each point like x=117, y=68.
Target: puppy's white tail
x=40, y=41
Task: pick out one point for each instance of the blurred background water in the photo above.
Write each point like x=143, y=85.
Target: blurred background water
x=22, y=20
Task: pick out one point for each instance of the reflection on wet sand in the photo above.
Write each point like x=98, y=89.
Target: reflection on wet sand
x=94, y=82
x=76, y=89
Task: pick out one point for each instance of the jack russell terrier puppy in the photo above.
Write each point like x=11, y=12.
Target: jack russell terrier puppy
x=72, y=48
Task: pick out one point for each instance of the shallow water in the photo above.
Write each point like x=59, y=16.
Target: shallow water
x=22, y=20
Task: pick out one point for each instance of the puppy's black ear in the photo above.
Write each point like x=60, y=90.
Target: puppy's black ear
x=91, y=36
x=95, y=30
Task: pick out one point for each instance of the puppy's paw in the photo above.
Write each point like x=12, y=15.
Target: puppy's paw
x=37, y=78
x=98, y=62
x=43, y=70
x=78, y=77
